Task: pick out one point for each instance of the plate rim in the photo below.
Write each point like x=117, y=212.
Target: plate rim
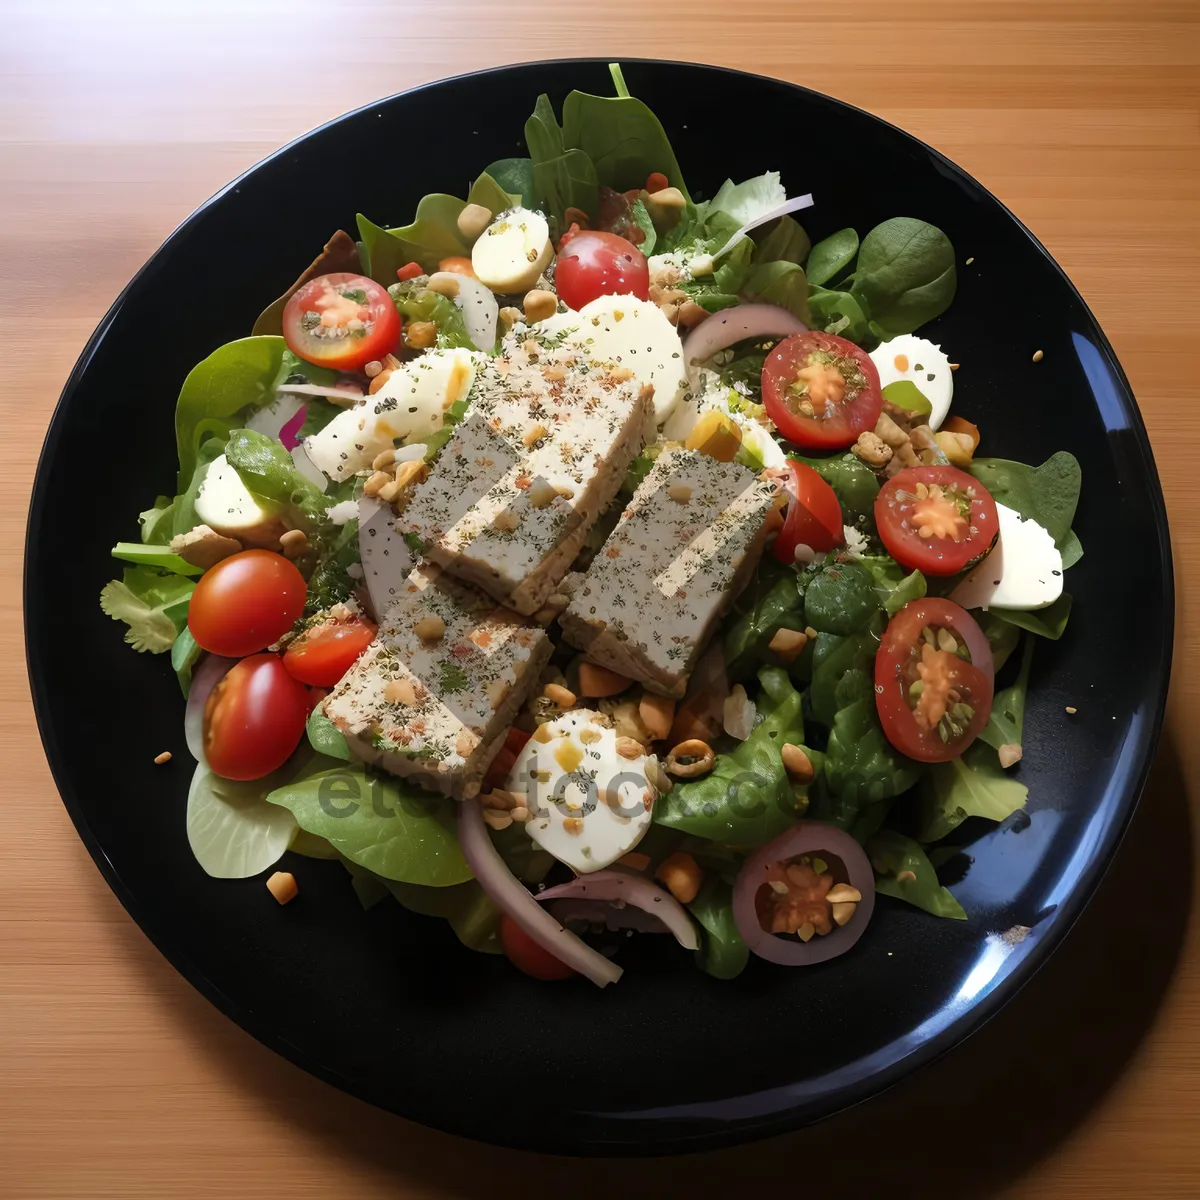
x=730, y=1132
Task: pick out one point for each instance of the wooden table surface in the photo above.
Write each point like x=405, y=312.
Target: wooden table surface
x=116, y=119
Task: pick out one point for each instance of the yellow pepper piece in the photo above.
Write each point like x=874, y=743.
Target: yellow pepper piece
x=716, y=435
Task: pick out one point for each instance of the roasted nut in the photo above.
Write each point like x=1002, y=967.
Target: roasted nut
x=377, y=483
x=499, y=798
x=738, y=713
x=842, y=913
x=473, y=220
x=669, y=197
x=872, y=450
x=889, y=432
x=559, y=696
x=445, y=283
x=430, y=629
x=657, y=713
x=383, y=460
x=959, y=448
x=1010, y=754
x=497, y=820
x=408, y=473
x=628, y=747
x=788, y=643
x=294, y=543
x=510, y=315
x=700, y=758
x=539, y=305
x=796, y=763
x=682, y=876
x=657, y=777
x=542, y=494
x=421, y=335
x=534, y=435
x=597, y=681
x=691, y=314
x=282, y=885
x=843, y=893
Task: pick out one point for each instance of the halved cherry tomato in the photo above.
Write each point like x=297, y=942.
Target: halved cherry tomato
x=656, y=181
x=821, y=390
x=527, y=955
x=600, y=264
x=457, y=265
x=254, y=718
x=246, y=602
x=936, y=520
x=814, y=516
x=341, y=321
x=409, y=271
x=323, y=654
x=932, y=701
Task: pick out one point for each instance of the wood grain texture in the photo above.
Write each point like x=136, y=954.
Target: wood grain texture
x=116, y=119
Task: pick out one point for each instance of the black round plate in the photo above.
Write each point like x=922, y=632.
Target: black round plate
x=386, y=1005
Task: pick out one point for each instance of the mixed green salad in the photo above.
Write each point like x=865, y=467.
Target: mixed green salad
x=586, y=559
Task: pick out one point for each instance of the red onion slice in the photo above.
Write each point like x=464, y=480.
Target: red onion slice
x=808, y=837
x=289, y=435
x=340, y=395
x=732, y=325
x=205, y=677
x=513, y=898
x=573, y=911
x=620, y=887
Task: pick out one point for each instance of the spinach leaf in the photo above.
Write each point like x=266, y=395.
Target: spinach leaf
x=1071, y=549
x=840, y=598
x=641, y=218
x=861, y=765
x=269, y=472
x=893, y=588
x=973, y=785
x=904, y=873
x=471, y=912
x=152, y=603
x=905, y=275
x=565, y=181
x=1008, y=707
x=831, y=256
x=780, y=283
x=392, y=828
x=1045, y=622
x=748, y=798
x=840, y=312
x=326, y=738
x=833, y=656
x=855, y=484
x=515, y=176
x=773, y=601
x=340, y=253
x=185, y=654
x=784, y=241
x=621, y=136
x=233, y=381
x=521, y=854
x=1001, y=635
x=723, y=953
x=1048, y=494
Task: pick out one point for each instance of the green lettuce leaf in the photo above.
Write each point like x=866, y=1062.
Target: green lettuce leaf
x=723, y=953
x=154, y=556
x=152, y=603
x=392, y=828
x=747, y=799
x=903, y=872
x=157, y=523
x=973, y=785
x=748, y=201
x=185, y=654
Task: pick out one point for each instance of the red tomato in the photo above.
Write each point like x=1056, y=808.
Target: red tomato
x=932, y=702
x=322, y=655
x=527, y=955
x=814, y=514
x=457, y=265
x=656, y=181
x=820, y=390
x=600, y=264
x=936, y=520
x=254, y=719
x=341, y=321
x=246, y=602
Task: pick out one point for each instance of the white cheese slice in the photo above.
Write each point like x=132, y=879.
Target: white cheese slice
x=411, y=404
x=1024, y=569
x=627, y=332
x=923, y=364
x=512, y=251
x=225, y=504
x=588, y=805
x=386, y=558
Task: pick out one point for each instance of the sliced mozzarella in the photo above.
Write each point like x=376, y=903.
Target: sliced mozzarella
x=588, y=804
x=630, y=333
x=411, y=404
x=706, y=391
x=386, y=558
x=225, y=504
x=512, y=251
x=924, y=365
x=1024, y=569
x=308, y=469
x=481, y=313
